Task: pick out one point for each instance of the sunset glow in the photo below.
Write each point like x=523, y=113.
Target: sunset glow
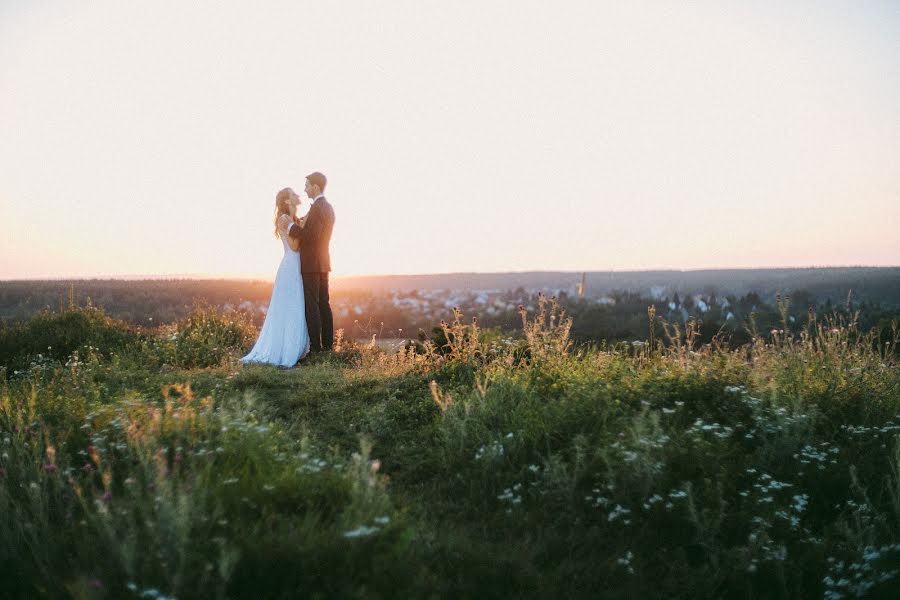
x=150, y=138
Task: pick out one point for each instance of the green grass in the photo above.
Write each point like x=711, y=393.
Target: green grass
x=153, y=464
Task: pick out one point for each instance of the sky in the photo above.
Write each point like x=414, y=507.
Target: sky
x=149, y=138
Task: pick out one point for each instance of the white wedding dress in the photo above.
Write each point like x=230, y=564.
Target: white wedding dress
x=284, y=337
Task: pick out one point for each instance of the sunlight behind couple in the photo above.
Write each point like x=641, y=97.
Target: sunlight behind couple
x=593, y=135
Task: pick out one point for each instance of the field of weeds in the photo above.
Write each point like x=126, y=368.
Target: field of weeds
x=478, y=464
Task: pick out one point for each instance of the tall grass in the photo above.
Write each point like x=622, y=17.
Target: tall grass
x=472, y=464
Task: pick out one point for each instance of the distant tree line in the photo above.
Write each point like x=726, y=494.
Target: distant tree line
x=617, y=316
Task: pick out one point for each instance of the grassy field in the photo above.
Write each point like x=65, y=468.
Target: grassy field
x=150, y=464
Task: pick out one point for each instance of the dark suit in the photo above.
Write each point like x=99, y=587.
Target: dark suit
x=315, y=263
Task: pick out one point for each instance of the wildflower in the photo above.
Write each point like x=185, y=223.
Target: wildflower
x=50, y=468
x=625, y=561
x=361, y=531
x=617, y=512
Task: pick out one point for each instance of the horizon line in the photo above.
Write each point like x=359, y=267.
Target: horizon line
x=208, y=277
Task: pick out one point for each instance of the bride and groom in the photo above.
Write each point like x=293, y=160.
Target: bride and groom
x=299, y=319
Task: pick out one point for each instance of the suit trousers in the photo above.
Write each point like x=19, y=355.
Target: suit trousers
x=319, y=319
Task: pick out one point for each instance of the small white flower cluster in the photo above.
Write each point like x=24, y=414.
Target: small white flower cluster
x=858, y=578
x=766, y=419
x=764, y=548
x=818, y=456
x=511, y=495
x=493, y=450
x=765, y=490
x=625, y=562
x=799, y=503
x=367, y=530
x=678, y=494
x=775, y=552
x=644, y=442
x=361, y=531
x=862, y=429
x=596, y=499
x=654, y=442
x=699, y=427
x=654, y=499
x=152, y=593
x=617, y=512
x=858, y=507
x=311, y=464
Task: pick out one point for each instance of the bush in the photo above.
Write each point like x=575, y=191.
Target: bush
x=56, y=335
x=207, y=337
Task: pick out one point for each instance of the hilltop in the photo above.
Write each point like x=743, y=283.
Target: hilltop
x=150, y=463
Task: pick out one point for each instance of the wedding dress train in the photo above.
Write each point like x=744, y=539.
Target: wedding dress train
x=284, y=337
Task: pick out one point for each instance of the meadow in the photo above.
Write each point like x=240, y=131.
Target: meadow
x=479, y=463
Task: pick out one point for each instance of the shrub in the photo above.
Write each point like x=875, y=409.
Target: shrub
x=207, y=337
x=56, y=335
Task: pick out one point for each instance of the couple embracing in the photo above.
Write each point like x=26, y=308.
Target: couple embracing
x=299, y=319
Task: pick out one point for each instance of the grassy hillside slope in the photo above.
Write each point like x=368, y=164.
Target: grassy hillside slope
x=140, y=463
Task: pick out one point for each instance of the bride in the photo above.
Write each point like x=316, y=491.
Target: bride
x=284, y=338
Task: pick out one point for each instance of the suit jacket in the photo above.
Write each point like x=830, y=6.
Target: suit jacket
x=315, y=237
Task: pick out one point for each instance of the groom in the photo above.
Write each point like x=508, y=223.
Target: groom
x=315, y=262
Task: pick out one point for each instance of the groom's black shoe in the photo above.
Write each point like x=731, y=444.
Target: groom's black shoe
x=308, y=359
x=315, y=357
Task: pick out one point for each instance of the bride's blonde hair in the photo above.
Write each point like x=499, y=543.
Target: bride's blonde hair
x=282, y=206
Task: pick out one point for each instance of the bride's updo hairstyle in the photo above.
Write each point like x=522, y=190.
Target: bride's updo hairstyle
x=282, y=206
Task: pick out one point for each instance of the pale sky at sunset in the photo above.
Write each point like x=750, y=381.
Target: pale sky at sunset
x=150, y=138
